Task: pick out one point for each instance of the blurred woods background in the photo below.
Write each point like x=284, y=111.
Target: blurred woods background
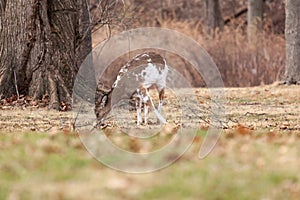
x=245, y=38
x=42, y=43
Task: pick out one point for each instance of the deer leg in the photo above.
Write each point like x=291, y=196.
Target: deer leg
x=161, y=98
x=146, y=105
x=146, y=112
x=138, y=106
x=139, y=115
x=160, y=103
x=158, y=115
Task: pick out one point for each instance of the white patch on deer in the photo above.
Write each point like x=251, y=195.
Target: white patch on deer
x=116, y=82
x=152, y=75
x=123, y=70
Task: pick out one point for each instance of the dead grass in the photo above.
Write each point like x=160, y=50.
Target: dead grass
x=250, y=167
x=18, y=119
x=256, y=158
x=272, y=107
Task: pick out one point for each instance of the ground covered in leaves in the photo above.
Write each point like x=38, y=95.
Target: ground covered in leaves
x=257, y=156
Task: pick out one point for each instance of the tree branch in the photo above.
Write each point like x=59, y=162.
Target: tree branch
x=236, y=15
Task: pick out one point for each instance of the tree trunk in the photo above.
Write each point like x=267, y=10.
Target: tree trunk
x=42, y=44
x=254, y=18
x=213, y=16
x=292, y=34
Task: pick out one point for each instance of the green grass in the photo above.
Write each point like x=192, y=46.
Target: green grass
x=216, y=179
x=35, y=157
x=43, y=166
x=201, y=133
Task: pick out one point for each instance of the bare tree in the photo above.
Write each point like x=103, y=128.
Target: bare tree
x=110, y=13
x=42, y=44
x=254, y=18
x=213, y=16
x=292, y=34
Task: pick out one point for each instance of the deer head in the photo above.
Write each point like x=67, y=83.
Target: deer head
x=103, y=102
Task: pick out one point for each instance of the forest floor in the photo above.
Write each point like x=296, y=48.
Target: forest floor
x=256, y=157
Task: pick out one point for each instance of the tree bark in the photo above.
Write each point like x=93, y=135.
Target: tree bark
x=292, y=34
x=42, y=44
x=213, y=16
x=254, y=18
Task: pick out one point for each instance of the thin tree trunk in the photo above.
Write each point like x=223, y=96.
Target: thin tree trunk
x=213, y=16
x=42, y=44
x=254, y=18
x=292, y=34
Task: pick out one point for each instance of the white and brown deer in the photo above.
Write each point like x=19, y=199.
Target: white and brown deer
x=152, y=72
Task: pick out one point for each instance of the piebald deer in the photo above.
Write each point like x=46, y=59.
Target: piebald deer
x=152, y=72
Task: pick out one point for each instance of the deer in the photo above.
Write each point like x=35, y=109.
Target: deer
x=152, y=73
